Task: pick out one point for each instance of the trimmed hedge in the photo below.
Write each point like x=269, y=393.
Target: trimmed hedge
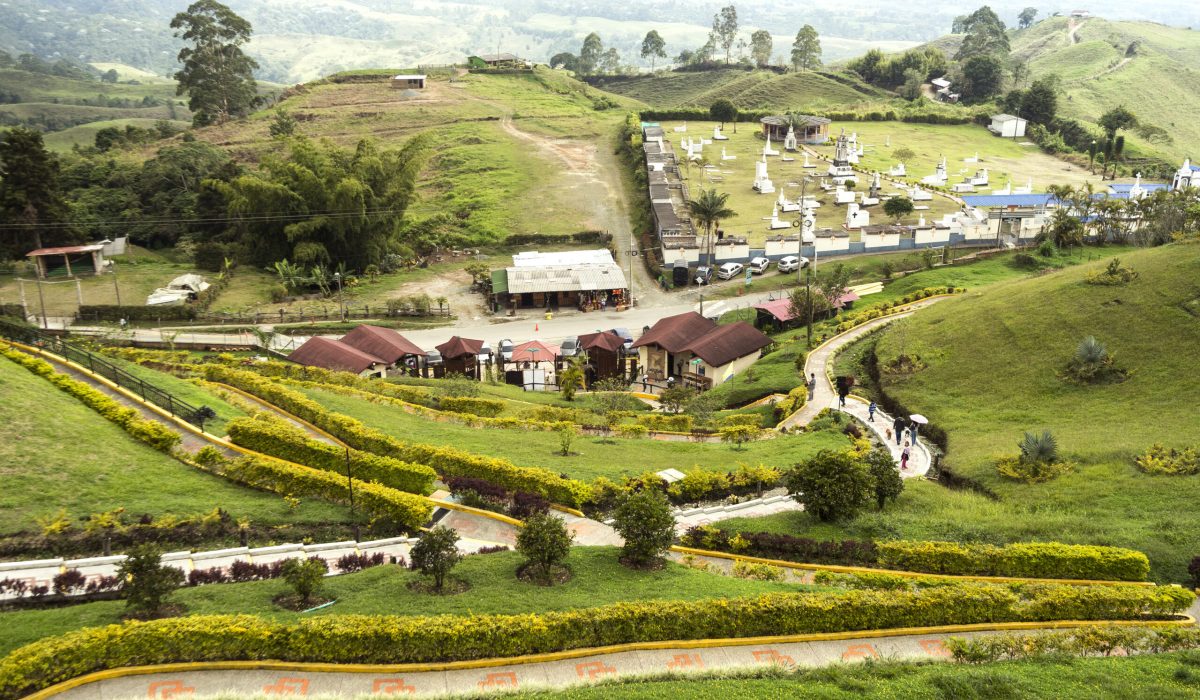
x=446, y=461
x=151, y=432
x=1026, y=560
x=795, y=400
x=678, y=423
x=111, y=312
x=487, y=408
x=394, y=639
x=405, y=509
x=279, y=439
x=1021, y=560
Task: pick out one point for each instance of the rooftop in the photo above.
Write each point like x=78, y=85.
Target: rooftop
x=566, y=257
x=333, y=355
x=1005, y=118
x=65, y=250
x=383, y=343
x=410, y=76
x=795, y=120
x=1008, y=200
x=724, y=344
x=674, y=333
x=458, y=347
x=535, y=351
x=606, y=340
x=565, y=278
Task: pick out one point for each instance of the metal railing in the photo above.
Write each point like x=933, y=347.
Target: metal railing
x=98, y=365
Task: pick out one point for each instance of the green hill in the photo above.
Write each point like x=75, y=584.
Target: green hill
x=990, y=372
x=746, y=89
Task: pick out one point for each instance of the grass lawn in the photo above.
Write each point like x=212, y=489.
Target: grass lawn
x=992, y=361
x=1110, y=678
x=592, y=456
x=55, y=453
x=597, y=580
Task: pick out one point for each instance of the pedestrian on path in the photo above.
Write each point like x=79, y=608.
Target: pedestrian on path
x=904, y=456
x=871, y=412
x=645, y=383
x=812, y=385
x=842, y=401
x=914, y=432
x=898, y=426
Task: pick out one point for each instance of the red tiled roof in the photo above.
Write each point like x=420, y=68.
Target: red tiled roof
x=384, y=343
x=334, y=355
x=724, y=344
x=782, y=308
x=524, y=352
x=459, y=347
x=606, y=340
x=65, y=250
x=674, y=333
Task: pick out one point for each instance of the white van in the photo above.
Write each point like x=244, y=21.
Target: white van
x=759, y=265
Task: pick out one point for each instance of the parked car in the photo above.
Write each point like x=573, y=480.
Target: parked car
x=569, y=347
x=506, y=349
x=730, y=270
x=433, y=357
x=703, y=275
x=759, y=265
x=626, y=336
x=485, y=353
x=792, y=263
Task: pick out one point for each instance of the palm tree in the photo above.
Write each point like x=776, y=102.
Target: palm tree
x=707, y=210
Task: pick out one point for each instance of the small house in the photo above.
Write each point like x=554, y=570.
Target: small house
x=496, y=61
x=415, y=81
x=604, y=359
x=336, y=356
x=777, y=314
x=386, y=344
x=697, y=350
x=1007, y=126
x=585, y=279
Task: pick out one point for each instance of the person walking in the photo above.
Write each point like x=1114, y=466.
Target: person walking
x=898, y=426
x=645, y=383
x=904, y=454
x=812, y=385
x=914, y=432
x=871, y=412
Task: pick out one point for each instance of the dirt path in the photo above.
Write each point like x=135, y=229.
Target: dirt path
x=1072, y=28
x=1123, y=62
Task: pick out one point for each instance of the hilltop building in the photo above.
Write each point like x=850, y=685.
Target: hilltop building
x=414, y=81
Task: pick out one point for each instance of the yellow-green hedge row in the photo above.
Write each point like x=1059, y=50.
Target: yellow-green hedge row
x=383, y=502
x=151, y=432
x=446, y=461
x=1022, y=559
x=278, y=439
x=363, y=639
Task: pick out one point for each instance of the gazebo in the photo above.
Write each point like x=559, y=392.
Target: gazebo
x=604, y=355
x=807, y=128
x=461, y=355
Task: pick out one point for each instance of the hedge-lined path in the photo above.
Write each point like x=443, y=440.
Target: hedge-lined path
x=581, y=669
x=318, y=435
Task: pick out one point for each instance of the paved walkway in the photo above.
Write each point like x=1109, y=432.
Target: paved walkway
x=687, y=519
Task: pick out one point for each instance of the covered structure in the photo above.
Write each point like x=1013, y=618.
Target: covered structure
x=807, y=128
x=1007, y=126
x=586, y=279
x=409, y=81
x=697, y=350
x=604, y=353
x=70, y=260
x=461, y=355
x=386, y=344
x=334, y=355
x=496, y=61
x=777, y=314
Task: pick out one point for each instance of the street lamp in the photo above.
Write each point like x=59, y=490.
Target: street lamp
x=337, y=277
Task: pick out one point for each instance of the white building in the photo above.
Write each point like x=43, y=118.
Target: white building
x=1007, y=126
x=1187, y=176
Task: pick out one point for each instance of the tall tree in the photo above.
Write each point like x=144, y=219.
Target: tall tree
x=723, y=111
x=1116, y=119
x=610, y=62
x=1026, y=18
x=566, y=60
x=653, y=47
x=590, y=53
x=708, y=210
x=984, y=36
x=725, y=29
x=982, y=75
x=216, y=75
x=1040, y=102
x=833, y=284
x=806, y=49
x=760, y=47
x=33, y=213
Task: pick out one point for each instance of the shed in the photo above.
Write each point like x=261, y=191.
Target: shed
x=51, y=260
x=386, y=344
x=461, y=355
x=1007, y=126
x=331, y=354
x=496, y=61
x=604, y=355
x=587, y=279
x=409, y=81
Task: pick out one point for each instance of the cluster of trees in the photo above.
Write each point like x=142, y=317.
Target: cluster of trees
x=906, y=71
x=1148, y=221
x=112, y=137
x=61, y=68
x=839, y=485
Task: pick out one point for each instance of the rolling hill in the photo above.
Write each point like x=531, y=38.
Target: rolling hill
x=746, y=89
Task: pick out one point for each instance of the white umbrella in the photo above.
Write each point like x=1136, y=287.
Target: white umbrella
x=918, y=418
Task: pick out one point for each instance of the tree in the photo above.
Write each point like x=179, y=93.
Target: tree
x=643, y=519
x=913, y=82
x=1020, y=71
x=760, y=47
x=898, y=208
x=216, y=75
x=888, y=482
x=833, y=284
x=109, y=76
x=653, y=47
x=6, y=60
x=145, y=581
x=725, y=29
x=436, y=553
x=30, y=195
x=806, y=49
x=571, y=378
x=566, y=60
x=674, y=399
x=545, y=542
x=1026, y=18
x=702, y=406
x=1064, y=229
x=590, y=53
x=832, y=485
x=982, y=77
x=804, y=304
x=723, y=111
x=708, y=210
x=283, y=125
x=1039, y=104
x=610, y=62
x=903, y=154
x=1116, y=119
x=305, y=576
x=985, y=36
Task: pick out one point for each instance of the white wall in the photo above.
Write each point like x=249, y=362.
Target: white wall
x=735, y=251
x=881, y=240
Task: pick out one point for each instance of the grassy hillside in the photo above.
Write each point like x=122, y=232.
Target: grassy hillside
x=85, y=134
x=748, y=89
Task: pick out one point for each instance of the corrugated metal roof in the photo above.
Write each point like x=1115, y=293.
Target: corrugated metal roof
x=532, y=258
x=565, y=278
x=65, y=250
x=1008, y=200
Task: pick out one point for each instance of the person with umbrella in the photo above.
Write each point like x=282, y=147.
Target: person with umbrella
x=917, y=420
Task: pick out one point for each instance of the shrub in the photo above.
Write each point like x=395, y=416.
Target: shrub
x=147, y=583
x=1114, y=275
x=545, y=542
x=1024, y=560
x=785, y=547
x=697, y=485
x=69, y=582
x=758, y=572
x=1160, y=460
x=794, y=401
x=658, y=422
x=304, y=576
x=436, y=553
x=633, y=431
x=832, y=485
x=888, y=482
x=409, y=639
x=1092, y=364
x=348, y=563
x=1092, y=640
x=737, y=435
x=644, y=521
x=1037, y=462
x=488, y=408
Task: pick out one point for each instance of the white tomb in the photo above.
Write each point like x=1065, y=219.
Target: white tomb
x=806, y=163
x=789, y=141
x=767, y=150
x=785, y=204
x=938, y=178
x=840, y=170
x=973, y=159
x=857, y=218
x=762, y=183
x=843, y=196
x=1027, y=189
x=962, y=187
x=980, y=178
x=718, y=136
x=725, y=156
x=917, y=194
x=776, y=223
x=681, y=129
x=898, y=170
x=1007, y=189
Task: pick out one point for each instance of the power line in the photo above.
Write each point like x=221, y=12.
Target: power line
x=327, y=214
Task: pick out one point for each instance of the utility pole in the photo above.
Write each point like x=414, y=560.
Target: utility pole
x=116, y=287
x=808, y=296
x=42, y=299
x=349, y=481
